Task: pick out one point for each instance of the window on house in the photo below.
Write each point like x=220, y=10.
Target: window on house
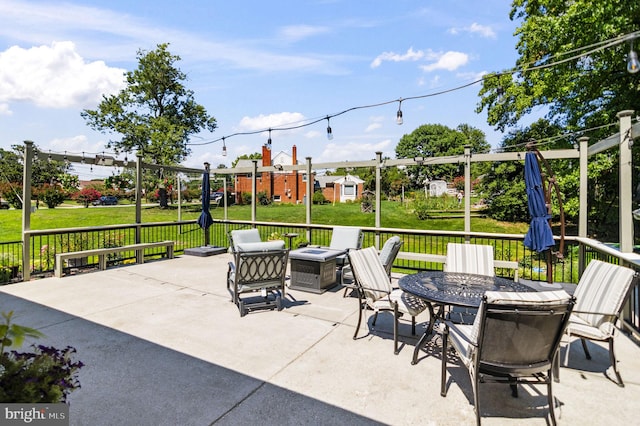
x=349, y=190
x=276, y=198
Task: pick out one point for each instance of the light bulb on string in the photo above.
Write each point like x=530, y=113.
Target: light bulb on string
x=224, y=148
x=399, y=119
x=269, y=141
x=633, y=65
x=83, y=160
x=329, y=132
x=126, y=161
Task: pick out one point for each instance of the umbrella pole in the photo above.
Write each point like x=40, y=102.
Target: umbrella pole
x=549, y=267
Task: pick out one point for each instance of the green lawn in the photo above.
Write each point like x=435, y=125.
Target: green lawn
x=394, y=215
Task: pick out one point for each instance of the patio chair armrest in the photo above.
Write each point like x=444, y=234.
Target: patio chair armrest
x=377, y=290
x=449, y=325
x=610, y=314
x=508, y=264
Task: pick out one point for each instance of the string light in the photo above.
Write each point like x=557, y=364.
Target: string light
x=633, y=66
x=126, y=161
x=224, y=148
x=269, y=141
x=329, y=132
x=399, y=119
x=576, y=53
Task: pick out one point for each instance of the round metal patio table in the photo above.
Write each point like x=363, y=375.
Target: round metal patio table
x=451, y=289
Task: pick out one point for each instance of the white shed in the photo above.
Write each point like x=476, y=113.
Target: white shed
x=437, y=188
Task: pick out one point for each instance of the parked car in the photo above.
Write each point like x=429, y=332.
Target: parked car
x=106, y=200
x=4, y=204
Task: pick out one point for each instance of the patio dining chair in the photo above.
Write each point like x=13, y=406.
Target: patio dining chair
x=387, y=256
x=514, y=339
x=469, y=259
x=345, y=238
x=601, y=293
x=375, y=292
x=249, y=240
x=254, y=272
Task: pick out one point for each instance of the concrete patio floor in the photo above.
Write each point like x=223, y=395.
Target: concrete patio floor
x=163, y=345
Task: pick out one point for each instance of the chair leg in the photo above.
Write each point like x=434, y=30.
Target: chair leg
x=556, y=366
x=612, y=357
x=360, y=309
x=395, y=328
x=443, y=375
x=375, y=317
x=550, y=399
x=476, y=398
x=413, y=326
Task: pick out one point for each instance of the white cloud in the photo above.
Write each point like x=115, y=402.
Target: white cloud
x=449, y=61
x=4, y=109
x=75, y=144
x=352, y=150
x=411, y=55
x=373, y=126
x=55, y=76
x=475, y=28
x=271, y=121
x=295, y=33
x=375, y=123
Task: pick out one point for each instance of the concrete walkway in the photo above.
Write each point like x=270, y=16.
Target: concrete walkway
x=163, y=345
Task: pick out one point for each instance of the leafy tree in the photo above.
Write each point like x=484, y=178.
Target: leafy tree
x=431, y=140
x=87, y=195
x=502, y=185
x=10, y=166
x=578, y=93
x=254, y=156
x=155, y=114
x=52, y=195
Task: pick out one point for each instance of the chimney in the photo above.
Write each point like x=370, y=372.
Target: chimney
x=294, y=155
x=266, y=156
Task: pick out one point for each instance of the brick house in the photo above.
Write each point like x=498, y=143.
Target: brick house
x=340, y=188
x=280, y=186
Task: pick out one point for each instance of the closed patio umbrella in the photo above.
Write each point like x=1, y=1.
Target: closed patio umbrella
x=205, y=220
x=539, y=237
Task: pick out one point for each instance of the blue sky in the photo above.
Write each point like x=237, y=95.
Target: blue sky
x=254, y=65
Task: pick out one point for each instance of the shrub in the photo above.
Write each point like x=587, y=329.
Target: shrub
x=52, y=195
x=318, y=198
x=86, y=196
x=46, y=375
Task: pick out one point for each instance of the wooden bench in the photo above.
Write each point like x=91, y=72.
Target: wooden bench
x=103, y=252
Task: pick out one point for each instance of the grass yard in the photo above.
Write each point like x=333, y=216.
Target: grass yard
x=394, y=215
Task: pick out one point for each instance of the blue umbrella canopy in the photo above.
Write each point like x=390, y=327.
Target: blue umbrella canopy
x=539, y=237
x=205, y=220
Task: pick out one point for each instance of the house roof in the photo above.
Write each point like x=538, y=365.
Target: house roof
x=324, y=180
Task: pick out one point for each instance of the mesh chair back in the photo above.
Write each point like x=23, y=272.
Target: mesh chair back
x=241, y=236
x=389, y=252
x=256, y=268
x=470, y=259
x=601, y=293
x=520, y=332
x=346, y=237
x=369, y=273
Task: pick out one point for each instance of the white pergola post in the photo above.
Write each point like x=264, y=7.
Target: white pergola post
x=467, y=189
x=254, y=194
x=26, y=211
x=308, y=198
x=378, y=168
x=626, y=187
x=583, y=210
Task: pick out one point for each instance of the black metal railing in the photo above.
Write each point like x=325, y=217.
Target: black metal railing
x=43, y=246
